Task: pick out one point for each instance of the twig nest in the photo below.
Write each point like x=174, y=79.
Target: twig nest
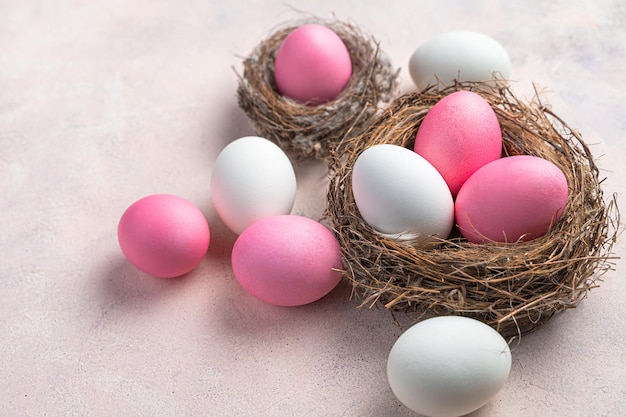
x=513, y=287
x=302, y=130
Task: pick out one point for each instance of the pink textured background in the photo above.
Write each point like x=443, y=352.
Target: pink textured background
x=103, y=102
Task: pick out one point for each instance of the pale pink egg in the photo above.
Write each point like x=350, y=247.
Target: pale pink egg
x=163, y=235
x=287, y=260
x=459, y=134
x=312, y=65
x=514, y=198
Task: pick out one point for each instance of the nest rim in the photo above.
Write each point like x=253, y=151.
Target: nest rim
x=513, y=287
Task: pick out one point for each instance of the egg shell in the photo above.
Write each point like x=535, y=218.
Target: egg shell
x=459, y=134
x=514, y=198
x=312, y=65
x=448, y=366
x=461, y=56
x=287, y=260
x=252, y=178
x=163, y=235
x=399, y=193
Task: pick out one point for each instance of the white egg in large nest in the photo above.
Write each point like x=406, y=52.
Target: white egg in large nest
x=401, y=195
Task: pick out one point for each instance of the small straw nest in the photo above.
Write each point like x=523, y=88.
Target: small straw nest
x=311, y=131
x=512, y=287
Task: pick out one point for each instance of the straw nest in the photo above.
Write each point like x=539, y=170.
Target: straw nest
x=310, y=131
x=511, y=287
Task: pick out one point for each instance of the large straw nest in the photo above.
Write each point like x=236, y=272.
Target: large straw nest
x=512, y=287
x=311, y=131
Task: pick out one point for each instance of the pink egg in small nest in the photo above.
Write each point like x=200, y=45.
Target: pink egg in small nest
x=311, y=131
x=513, y=287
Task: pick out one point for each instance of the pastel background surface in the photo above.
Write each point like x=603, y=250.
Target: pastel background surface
x=103, y=102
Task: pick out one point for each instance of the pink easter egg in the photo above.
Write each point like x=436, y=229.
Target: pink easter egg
x=459, y=134
x=312, y=65
x=513, y=198
x=163, y=235
x=287, y=260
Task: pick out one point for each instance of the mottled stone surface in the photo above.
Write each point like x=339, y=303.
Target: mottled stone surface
x=103, y=102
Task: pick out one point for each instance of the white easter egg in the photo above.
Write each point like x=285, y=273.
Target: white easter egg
x=252, y=179
x=448, y=366
x=461, y=56
x=401, y=195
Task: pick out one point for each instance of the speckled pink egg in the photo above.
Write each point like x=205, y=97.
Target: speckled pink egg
x=287, y=260
x=459, y=134
x=312, y=65
x=514, y=198
x=163, y=235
